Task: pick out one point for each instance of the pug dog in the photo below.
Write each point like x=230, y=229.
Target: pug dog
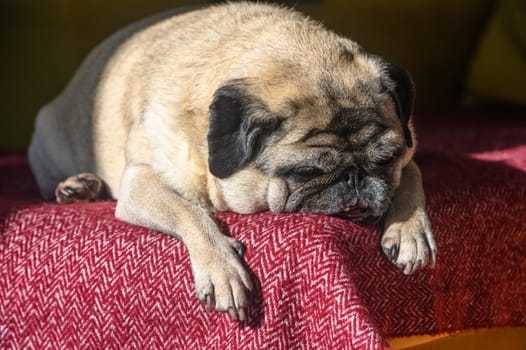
x=241, y=107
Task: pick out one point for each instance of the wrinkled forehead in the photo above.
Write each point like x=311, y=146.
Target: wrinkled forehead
x=330, y=78
x=341, y=95
x=355, y=122
x=350, y=136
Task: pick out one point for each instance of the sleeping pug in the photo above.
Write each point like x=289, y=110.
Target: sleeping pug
x=238, y=107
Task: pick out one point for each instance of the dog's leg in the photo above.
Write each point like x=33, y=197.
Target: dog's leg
x=407, y=240
x=83, y=187
x=221, y=280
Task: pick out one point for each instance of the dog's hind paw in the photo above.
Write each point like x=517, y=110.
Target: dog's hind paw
x=83, y=187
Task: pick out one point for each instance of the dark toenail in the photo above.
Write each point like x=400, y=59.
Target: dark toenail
x=239, y=248
x=208, y=302
x=393, y=252
x=242, y=314
x=233, y=313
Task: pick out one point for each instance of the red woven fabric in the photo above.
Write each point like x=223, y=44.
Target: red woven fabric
x=72, y=276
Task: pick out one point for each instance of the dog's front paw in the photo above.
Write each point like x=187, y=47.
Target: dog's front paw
x=221, y=280
x=410, y=244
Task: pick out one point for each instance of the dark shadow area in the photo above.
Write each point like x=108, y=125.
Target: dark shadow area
x=43, y=44
x=460, y=132
x=16, y=180
x=478, y=212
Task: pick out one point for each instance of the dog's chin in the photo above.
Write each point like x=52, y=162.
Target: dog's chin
x=359, y=214
x=353, y=212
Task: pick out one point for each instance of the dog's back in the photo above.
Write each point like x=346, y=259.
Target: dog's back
x=57, y=150
x=80, y=131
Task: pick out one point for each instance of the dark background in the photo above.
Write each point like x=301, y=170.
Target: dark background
x=440, y=42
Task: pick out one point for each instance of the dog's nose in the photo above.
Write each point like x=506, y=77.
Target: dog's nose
x=354, y=179
x=354, y=207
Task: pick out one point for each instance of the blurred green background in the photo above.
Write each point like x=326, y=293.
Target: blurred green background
x=457, y=50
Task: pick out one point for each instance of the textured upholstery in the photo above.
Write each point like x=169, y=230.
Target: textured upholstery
x=72, y=276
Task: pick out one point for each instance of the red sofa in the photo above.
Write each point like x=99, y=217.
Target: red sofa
x=72, y=276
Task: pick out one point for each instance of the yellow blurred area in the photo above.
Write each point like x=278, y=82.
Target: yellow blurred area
x=498, y=70
x=508, y=338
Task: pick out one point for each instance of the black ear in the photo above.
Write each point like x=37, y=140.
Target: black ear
x=402, y=91
x=238, y=126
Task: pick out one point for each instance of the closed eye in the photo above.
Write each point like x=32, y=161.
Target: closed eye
x=387, y=158
x=302, y=172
